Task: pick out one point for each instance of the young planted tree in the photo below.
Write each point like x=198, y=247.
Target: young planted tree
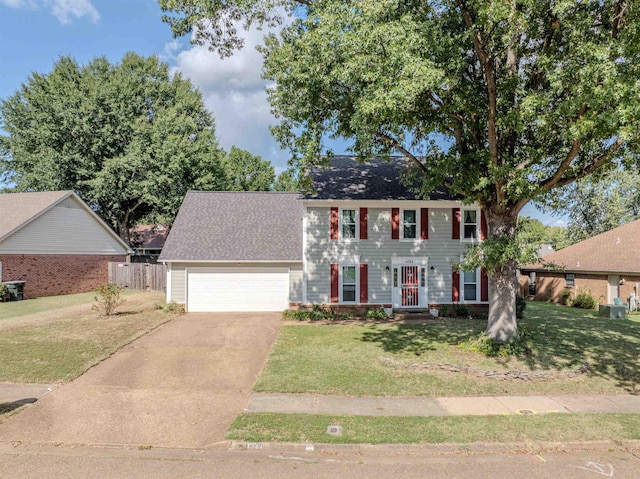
x=528, y=95
x=129, y=138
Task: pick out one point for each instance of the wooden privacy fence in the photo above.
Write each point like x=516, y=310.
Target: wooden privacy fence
x=138, y=276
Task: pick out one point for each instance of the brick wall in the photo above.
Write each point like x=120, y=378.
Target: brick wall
x=52, y=275
x=550, y=285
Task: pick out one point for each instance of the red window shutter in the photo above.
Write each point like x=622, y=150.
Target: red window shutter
x=455, y=286
x=335, y=294
x=364, y=283
x=395, y=223
x=333, y=223
x=484, y=285
x=455, y=222
x=424, y=223
x=364, y=223
x=483, y=225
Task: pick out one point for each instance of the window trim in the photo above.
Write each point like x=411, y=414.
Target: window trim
x=356, y=237
x=341, y=266
x=566, y=280
x=418, y=225
x=478, y=225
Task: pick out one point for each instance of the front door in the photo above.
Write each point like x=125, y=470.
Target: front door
x=409, y=283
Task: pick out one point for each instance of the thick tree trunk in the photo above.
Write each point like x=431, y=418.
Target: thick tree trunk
x=503, y=282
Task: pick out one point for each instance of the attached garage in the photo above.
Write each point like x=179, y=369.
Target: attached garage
x=235, y=251
x=237, y=289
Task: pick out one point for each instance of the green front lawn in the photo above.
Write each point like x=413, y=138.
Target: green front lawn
x=572, y=352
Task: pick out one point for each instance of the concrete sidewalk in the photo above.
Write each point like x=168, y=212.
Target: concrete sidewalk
x=443, y=406
x=23, y=393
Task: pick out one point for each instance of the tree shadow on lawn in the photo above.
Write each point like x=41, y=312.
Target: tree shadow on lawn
x=558, y=340
x=420, y=338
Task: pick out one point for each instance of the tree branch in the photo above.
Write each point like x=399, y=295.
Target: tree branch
x=398, y=146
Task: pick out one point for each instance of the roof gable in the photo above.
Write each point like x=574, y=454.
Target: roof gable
x=236, y=226
x=378, y=179
x=612, y=251
x=23, y=209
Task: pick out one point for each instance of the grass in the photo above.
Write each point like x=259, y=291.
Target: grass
x=376, y=359
x=435, y=430
x=14, y=309
x=62, y=349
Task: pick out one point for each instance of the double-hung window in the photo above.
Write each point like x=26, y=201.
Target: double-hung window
x=348, y=283
x=349, y=224
x=570, y=280
x=470, y=225
x=470, y=285
x=409, y=224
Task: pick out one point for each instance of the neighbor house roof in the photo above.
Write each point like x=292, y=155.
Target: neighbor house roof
x=615, y=251
x=18, y=209
x=150, y=236
x=236, y=226
x=377, y=179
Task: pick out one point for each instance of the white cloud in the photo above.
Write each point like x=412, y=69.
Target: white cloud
x=235, y=93
x=64, y=10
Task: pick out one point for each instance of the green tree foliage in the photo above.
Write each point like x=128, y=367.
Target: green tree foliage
x=287, y=181
x=532, y=232
x=598, y=204
x=247, y=172
x=129, y=138
x=531, y=95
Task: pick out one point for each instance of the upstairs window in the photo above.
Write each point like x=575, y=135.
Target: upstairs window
x=470, y=225
x=349, y=224
x=409, y=224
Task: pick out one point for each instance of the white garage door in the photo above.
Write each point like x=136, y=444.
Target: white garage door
x=238, y=289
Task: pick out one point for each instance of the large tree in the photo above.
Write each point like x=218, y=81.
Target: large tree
x=524, y=96
x=130, y=138
x=597, y=204
x=247, y=172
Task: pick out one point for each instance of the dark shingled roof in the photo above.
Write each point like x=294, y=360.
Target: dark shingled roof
x=236, y=226
x=347, y=179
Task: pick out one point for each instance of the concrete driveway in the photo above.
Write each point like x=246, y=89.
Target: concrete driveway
x=179, y=386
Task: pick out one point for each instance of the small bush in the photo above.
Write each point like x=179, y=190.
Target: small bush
x=108, y=298
x=377, y=314
x=585, y=300
x=566, y=297
x=4, y=293
x=315, y=314
x=521, y=304
x=172, y=308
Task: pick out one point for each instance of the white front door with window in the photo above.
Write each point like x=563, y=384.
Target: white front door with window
x=409, y=276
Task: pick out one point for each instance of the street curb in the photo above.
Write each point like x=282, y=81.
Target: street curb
x=477, y=448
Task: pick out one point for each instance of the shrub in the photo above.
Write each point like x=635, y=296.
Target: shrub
x=108, y=298
x=377, y=314
x=315, y=314
x=566, y=297
x=585, y=300
x=4, y=293
x=521, y=304
x=172, y=308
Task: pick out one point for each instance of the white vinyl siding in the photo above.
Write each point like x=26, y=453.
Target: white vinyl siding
x=63, y=230
x=377, y=252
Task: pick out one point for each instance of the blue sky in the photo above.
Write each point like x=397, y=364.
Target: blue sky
x=35, y=33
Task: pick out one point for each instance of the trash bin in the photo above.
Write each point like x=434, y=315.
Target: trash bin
x=16, y=290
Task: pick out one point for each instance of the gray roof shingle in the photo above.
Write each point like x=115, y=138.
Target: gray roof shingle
x=236, y=226
x=347, y=179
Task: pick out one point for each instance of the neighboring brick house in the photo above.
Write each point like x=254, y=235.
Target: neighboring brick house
x=147, y=242
x=362, y=239
x=607, y=265
x=54, y=242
